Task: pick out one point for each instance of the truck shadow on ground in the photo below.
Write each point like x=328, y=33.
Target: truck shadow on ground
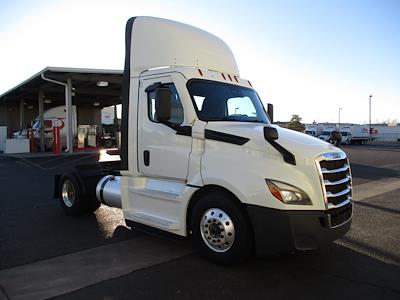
x=380, y=207
x=371, y=172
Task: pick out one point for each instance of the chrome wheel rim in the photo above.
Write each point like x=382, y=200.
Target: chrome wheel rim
x=68, y=193
x=217, y=230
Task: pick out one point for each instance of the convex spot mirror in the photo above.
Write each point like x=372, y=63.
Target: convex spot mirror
x=270, y=133
x=163, y=104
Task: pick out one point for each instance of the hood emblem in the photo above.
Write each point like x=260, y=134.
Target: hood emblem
x=333, y=155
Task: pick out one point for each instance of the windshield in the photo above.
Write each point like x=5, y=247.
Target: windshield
x=326, y=133
x=215, y=101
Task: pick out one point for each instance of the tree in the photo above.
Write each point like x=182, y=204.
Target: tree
x=295, y=123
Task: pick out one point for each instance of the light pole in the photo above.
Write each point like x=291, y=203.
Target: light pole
x=339, y=116
x=370, y=96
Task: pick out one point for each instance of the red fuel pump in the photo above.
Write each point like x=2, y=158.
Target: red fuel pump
x=56, y=140
x=31, y=137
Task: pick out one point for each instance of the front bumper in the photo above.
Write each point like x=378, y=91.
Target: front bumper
x=286, y=231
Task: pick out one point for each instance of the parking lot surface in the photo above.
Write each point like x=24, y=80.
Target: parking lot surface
x=44, y=253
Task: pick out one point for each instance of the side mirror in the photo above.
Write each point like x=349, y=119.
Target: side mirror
x=270, y=112
x=270, y=133
x=163, y=104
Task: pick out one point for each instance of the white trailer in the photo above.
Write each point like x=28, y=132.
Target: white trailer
x=384, y=133
x=355, y=134
x=201, y=158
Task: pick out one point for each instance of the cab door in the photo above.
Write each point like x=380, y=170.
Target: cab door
x=163, y=148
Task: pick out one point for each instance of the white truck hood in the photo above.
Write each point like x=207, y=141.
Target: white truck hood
x=301, y=145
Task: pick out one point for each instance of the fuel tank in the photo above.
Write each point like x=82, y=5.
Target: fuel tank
x=108, y=191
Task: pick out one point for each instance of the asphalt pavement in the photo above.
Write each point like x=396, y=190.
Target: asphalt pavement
x=98, y=257
x=33, y=225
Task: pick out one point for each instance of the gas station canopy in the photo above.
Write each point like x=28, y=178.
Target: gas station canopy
x=89, y=86
x=53, y=86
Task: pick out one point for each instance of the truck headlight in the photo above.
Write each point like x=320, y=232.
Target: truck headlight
x=287, y=193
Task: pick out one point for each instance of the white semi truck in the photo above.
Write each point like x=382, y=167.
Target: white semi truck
x=355, y=134
x=327, y=132
x=200, y=157
x=313, y=129
x=52, y=117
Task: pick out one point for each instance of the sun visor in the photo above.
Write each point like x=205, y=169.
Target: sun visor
x=159, y=42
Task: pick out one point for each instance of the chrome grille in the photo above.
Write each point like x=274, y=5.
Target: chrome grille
x=336, y=179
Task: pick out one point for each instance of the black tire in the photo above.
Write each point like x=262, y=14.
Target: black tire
x=223, y=204
x=71, y=196
x=108, y=143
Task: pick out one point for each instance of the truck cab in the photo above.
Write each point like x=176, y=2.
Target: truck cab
x=313, y=129
x=346, y=137
x=201, y=158
x=325, y=135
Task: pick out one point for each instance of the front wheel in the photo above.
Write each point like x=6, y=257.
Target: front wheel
x=221, y=230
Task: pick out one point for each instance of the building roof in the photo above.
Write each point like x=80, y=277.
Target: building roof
x=84, y=82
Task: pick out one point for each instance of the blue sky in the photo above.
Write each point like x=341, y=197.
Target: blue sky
x=306, y=57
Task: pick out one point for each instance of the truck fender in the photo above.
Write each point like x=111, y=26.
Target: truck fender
x=88, y=176
x=202, y=191
x=56, y=190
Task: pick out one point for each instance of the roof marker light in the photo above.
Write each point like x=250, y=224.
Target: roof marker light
x=236, y=79
x=249, y=83
x=223, y=76
x=230, y=78
x=201, y=73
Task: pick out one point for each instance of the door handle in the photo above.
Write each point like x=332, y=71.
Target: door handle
x=146, y=157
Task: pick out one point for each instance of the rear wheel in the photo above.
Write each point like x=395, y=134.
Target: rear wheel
x=221, y=230
x=70, y=195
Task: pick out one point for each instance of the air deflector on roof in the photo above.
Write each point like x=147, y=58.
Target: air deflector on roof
x=159, y=42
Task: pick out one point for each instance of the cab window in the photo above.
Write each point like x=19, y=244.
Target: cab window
x=176, y=106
